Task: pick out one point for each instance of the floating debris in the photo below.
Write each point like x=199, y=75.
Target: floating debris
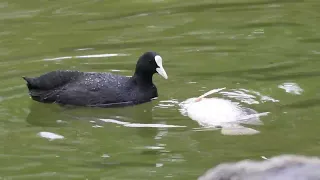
x=49, y=135
x=217, y=113
x=292, y=88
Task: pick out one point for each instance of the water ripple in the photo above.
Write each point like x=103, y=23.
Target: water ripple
x=139, y=125
x=85, y=56
x=248, y=96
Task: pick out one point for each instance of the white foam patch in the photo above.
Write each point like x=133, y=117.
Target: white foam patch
x=263, y=157
x=248, y=96
x=167, y=103
x=159, y=165
x=139, y=125
x=105, y=156
x=241, y=96
x=49, y=135
x=292, y=88
x=113, y=121
x=58, y=58
x=152, y=125
x=84, y=49
x=238, y=130
x=172, y=101
x=154, y=147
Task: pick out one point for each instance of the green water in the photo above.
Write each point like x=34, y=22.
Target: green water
x=254, y=45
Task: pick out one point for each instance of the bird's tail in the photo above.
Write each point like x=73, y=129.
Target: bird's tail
x=29, y=82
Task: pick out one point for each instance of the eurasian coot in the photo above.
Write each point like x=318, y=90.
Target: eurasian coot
x=68, y=87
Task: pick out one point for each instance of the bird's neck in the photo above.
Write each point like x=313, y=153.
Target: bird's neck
x=143, y=78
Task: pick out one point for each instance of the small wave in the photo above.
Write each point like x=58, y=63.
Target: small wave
x=248, y=96
x=84, y=56
x=8, y=89
x=84, y=49
x=167, y=103
x=2, y=98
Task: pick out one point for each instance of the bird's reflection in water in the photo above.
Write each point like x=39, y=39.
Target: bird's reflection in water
x=53, y=115
x=45, y=115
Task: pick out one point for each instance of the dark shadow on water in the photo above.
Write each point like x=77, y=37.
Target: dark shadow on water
x=52, y=115
x=153, y=157
x=241, y=9
x=268, y=24
x=304, y=104
x=44, y=115
x=114, y=164
x=214, y=5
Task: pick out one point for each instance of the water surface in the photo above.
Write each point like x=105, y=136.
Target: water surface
x=256, y=49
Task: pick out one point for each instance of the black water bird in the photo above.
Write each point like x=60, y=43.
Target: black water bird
x=98, y=89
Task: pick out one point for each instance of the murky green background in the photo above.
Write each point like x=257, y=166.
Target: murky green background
x=255, y=45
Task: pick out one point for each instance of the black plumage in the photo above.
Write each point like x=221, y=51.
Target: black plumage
x=98, y=89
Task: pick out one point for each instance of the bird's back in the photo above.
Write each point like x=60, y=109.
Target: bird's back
x=105, y=90
x=88, y=89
